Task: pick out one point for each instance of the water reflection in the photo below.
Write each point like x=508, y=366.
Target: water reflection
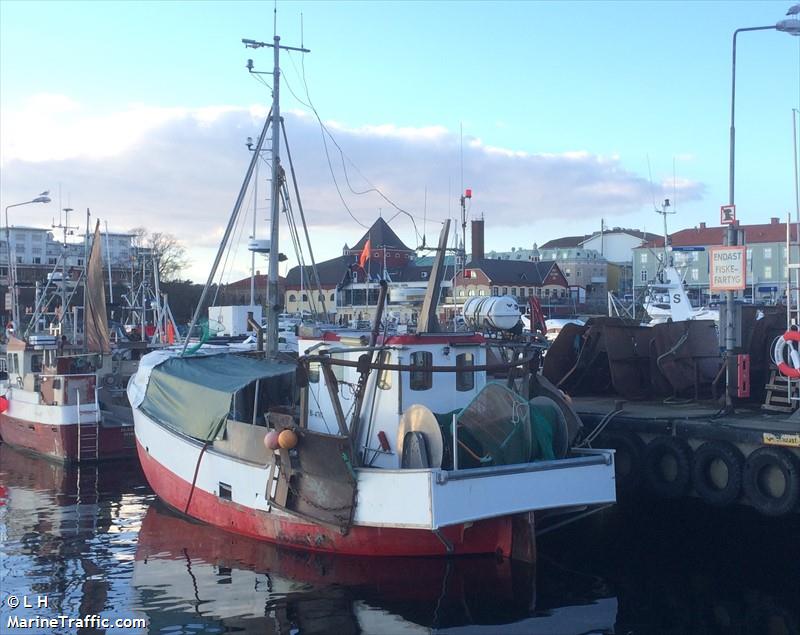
x=68, y=533
x=198, y=577
x=95, y=541
x=683, y=567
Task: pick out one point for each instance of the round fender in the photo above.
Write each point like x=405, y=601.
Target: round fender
x=667, y=466
x=772, y=480
x=717, y=472
x=628, y=456
x=783, y=352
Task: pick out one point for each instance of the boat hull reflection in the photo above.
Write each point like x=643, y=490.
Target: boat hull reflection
x=187, y=573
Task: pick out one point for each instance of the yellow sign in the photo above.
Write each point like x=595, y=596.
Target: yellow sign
x=790, y=440
x=727, y=268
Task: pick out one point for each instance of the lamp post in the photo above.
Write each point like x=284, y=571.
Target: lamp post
x=791, y=26
x=12, y=282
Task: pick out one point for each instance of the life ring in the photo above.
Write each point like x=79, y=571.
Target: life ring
x=764, y=470
x=667, y=466
x=717, y=472
x=628, y=453
x=779, y=354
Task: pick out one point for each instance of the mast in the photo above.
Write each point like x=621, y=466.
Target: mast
x=273, y=302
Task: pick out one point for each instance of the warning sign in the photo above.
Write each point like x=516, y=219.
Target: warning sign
x=727, y=215
x=727, y=268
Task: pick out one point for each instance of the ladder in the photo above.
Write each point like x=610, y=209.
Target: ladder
x=88, y=441
x=782, y=394
x=88, y=434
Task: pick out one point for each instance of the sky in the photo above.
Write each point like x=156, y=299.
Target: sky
x=556, y=115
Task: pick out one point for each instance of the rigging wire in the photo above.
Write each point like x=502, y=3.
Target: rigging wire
x=326, y=131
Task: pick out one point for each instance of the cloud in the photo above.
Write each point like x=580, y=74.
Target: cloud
x=179, y=170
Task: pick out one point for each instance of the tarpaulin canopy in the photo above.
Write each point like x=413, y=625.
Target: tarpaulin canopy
x=192, y=395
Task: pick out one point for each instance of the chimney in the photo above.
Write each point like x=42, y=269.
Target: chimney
x=773, y=221
x=702, y=225
x=477, y=240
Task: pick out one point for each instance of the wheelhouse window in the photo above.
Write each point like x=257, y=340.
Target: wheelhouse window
x=465, y=376
x=422, y=377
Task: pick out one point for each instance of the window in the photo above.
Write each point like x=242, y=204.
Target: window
x=643, y=275
x=505, y=290
x=37, y=260
x=80, y=262
x=460, y=292
x=333, y=297
x=321, y=298
x=471, y=293
x=495, y=290
x=530, y=291
x=313, y=372
x=465, y=379
x=423, y=275
x=767, y=271
x=514, y=291
x=643, y=258
x=52, y=261
x=568, y=272
x=578, y=273
x=305, y=297
x=695, y=274
x=421, y=379
x=482, y=292
x=292, y=298
x=767, y=252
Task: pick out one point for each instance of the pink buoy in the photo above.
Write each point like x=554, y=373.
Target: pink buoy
x=3, y=404
x=271, y=440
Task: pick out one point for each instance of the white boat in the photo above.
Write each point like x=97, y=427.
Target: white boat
x=667, y=300
x=368, y=445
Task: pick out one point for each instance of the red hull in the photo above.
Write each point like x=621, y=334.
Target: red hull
x=487, y=536
x=61, y=442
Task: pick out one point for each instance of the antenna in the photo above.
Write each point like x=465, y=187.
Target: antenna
x=664, y=211
x=674, y=187
x=650, y=176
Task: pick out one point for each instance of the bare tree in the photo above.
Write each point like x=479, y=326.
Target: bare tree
x=172, y=259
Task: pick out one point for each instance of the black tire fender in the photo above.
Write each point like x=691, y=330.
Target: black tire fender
x=627, y=458
x=757, y=489
x=702, y=479
x=679, y=454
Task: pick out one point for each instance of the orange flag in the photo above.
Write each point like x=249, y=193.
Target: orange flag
x=364, y=254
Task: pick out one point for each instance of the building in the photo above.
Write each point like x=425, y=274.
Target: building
x=521, y=277
x=766, y=258
x=36, y=253
x=598, y=262
x=238, y=292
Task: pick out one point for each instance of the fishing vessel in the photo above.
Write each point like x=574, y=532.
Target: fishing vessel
x=61, y=402
x=368, y=444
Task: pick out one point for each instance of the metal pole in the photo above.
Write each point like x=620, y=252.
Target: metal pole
x=253, y=253
x=271, y=347
x=797, y=209
x=730, y=234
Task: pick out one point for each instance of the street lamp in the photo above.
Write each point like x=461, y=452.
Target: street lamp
x=42, y=198
x=791, y=26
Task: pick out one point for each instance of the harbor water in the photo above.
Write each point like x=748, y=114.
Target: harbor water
x=94, y=541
